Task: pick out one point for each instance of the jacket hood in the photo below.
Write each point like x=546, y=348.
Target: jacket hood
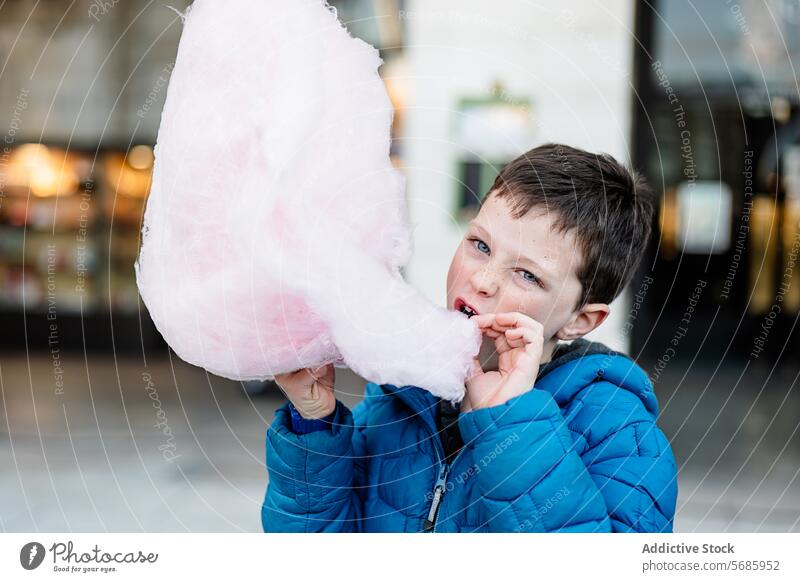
x=576, y=365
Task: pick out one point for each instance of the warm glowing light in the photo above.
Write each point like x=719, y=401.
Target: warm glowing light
x=140, y=157
x=35, y=166
x=124, y=178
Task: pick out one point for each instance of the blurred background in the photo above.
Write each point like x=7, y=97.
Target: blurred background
x=104, y=429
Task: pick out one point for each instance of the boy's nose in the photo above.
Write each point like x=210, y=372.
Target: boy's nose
x=485, y=282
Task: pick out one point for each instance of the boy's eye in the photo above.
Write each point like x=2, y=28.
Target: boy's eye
x=480, y=245
x=531, y=278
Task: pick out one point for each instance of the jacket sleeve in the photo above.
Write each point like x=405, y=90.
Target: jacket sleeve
x=532, y=478
x=529, y=478
x=629, y=459
x=315, y=479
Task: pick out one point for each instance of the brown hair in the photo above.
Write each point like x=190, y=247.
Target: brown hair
x=608, y=208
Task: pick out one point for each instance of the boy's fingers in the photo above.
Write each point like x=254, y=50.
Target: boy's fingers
x=319, y=371
x=515, y=338
x=498, y=325
x=484, y=323
x=508, y=318
x=519, y=337
x=491, y=333
x=494, y=329
x=484, y=319
x=520, y=379
x=502, y=344
x=513, y=319
x=324, y=376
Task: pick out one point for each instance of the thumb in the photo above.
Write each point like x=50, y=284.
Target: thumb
x=325, y=375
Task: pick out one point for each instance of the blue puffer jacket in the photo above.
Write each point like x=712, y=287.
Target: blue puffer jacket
x=580, y=452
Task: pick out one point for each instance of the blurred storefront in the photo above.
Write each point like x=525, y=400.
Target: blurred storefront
x=83, y=85
x=82, y=89
x=717, y=130
x=69, y=236
x=703, y=98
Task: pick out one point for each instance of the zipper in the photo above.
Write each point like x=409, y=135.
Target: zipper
x=438, y=493
x=439, y=490
x=441, y=479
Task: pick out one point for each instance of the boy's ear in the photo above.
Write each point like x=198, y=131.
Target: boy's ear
x=587, y=318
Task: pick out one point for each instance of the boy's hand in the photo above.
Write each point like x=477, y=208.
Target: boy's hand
x=310, y=390
x=519, y=342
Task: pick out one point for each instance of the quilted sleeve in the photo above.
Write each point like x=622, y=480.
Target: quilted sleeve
x=617, y=475
x=313, y=480
x=629, y=459
x=530, y=477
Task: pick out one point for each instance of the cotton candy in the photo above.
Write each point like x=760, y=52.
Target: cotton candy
x=276, y=227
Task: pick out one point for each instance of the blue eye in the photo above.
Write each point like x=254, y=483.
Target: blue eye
x=480, y=245
x=531, y=278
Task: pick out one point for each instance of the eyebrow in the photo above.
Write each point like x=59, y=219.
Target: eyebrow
x=522, y=258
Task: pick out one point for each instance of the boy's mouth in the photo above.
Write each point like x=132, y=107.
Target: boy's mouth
x=465, y=308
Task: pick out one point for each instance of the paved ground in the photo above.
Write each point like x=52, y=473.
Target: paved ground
x=166, y=447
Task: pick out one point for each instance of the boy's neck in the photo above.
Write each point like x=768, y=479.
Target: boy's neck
x=547, y=351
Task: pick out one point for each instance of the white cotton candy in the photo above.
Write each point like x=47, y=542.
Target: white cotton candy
x=276, y=225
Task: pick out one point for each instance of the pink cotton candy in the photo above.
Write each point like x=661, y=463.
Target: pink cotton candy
x=276, y=225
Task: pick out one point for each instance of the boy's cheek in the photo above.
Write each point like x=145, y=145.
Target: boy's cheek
x=551, y=329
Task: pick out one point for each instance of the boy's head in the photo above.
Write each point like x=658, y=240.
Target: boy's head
x=558, y=237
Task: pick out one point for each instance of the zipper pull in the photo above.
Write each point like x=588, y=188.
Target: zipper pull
x=438, y=492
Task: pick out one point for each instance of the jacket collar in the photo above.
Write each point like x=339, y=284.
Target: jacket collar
x=582, y=362
x=421, y=402
x=575, y=366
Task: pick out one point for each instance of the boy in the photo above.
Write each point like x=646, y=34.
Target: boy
x=550, y=436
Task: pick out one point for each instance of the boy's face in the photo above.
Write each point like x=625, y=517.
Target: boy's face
x=522, y=264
